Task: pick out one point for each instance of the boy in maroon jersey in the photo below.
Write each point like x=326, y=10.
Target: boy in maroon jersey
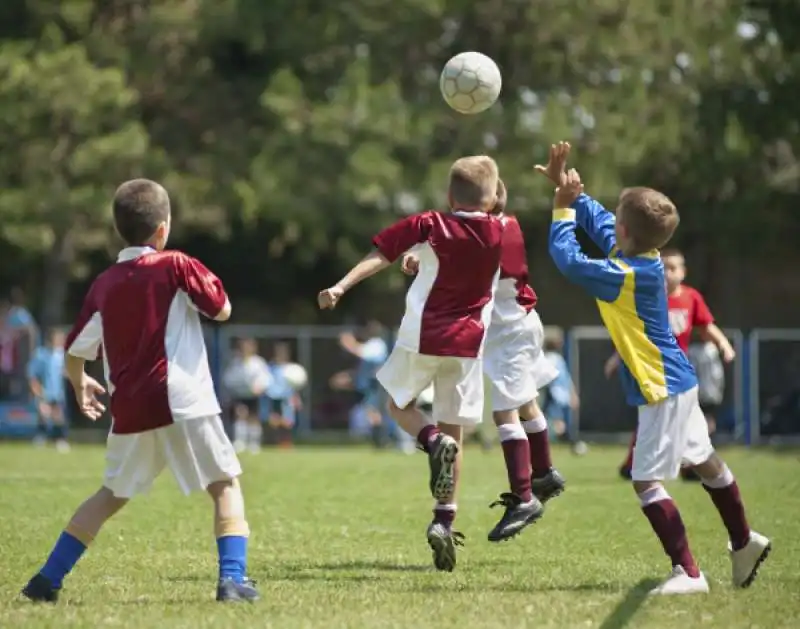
x=143, y=311
x=688, y=311
x=515, y=364
x=448, y=309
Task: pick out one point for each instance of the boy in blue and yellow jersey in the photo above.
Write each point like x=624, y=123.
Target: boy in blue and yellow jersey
x=657, y=377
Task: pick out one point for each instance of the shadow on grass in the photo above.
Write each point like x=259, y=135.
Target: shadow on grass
x=624, y=612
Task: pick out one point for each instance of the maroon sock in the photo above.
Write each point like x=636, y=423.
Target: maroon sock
x=668, y=526
x=425, y=435
x=728, y=502
x=539, y=446
x=518, y=464
x=445, y=516
x=628, y=464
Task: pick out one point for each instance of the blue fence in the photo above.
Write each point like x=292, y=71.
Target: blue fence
x=762, y=398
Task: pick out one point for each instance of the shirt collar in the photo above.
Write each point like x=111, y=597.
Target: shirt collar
x=131, y=253
x=465, y=214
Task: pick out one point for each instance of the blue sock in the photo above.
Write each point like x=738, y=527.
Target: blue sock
x=232, y=557
x=62, y=559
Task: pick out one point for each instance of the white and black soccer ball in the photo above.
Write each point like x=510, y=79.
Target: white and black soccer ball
x=470, y=82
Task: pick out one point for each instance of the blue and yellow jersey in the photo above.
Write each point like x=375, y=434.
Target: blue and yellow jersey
x=632, y=299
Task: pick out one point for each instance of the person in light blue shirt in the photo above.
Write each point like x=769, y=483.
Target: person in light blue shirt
x=560, y=397
x=280, y=402
x=46, y=381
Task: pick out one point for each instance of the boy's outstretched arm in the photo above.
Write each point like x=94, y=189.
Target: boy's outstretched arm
x=601, y=278
x=712, y=333
x=390, y=244
x=597, y=222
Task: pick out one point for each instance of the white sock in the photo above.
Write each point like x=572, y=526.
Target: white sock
x=240, y=430
x=654, y=494
x=511, y=432
x=723, y=480
x=537, y=424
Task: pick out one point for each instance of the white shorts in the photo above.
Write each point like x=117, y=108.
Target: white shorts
x=457, y=384
x=197, y=452
x=515, y=363
x=671, y=433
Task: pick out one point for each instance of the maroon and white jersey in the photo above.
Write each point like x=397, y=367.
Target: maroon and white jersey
x=514, y=298
x=143, y=311
x=449, y=304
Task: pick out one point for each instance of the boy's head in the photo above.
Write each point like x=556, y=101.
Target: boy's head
x=473, y=184
x=248, y=347
x=282, y=353
x=674, y=268
x=55, y=338
x=142, y=213
x=501, y=198
x=646, y=220
x=373, y=329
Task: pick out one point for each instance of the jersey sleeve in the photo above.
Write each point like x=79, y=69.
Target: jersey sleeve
x=701, y=316
x=202, y=287
x=86, y=336
x=396, y=239
x=603, y=279
x=597, y=222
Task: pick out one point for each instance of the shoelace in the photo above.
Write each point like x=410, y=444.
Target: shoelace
x=458, y=538
x=507, y=500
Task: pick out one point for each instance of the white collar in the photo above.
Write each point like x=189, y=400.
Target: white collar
x=464, y=214
x=131, y=253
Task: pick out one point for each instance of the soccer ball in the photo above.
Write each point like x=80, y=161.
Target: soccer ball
x=296, y=376
x=470, y=82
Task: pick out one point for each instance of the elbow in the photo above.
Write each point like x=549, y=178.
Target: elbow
x=225, y=313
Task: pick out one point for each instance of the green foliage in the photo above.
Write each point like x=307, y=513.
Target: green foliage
x=300, y=128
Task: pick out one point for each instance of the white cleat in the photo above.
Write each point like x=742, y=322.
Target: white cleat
x=746, y=561
x=681, y=583
x=62, y=446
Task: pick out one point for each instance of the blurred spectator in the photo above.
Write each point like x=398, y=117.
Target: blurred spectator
x=246, y=380
x=559, y=399
x=47, y=385
x=18, y=340
x=707, y=363
x=281, y=402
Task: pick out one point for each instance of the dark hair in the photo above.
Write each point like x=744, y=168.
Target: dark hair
x=140, y=206
x=649, y=216
x=671, y=252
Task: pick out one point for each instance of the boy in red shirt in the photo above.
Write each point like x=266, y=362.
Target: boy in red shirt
x=441, y=337
x=687, y=311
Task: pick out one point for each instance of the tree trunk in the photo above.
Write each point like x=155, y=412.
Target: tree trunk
x=56, y=281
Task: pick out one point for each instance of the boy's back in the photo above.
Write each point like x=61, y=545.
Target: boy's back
x=448, y=306
x=142, y=310
x=515, y=298
x=637, y=318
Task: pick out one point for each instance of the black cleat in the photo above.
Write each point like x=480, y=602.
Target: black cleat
x=230, y=591
x=548, y=486
x=40, y=590
x=517, y=516
x=442, y=454
x=625, y=473
x=443, y=542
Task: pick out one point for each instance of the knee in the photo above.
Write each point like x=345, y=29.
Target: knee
x=504, y=417
x=219, y=488
x=530, y=411
x=645, y=486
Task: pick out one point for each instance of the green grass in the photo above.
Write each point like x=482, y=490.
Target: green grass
x=338, y=541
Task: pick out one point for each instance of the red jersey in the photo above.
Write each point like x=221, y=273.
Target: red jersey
x=449, y=304
x=514, y=298
x=687, y=309
x=143, y=311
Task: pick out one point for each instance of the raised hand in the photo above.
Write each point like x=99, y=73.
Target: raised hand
x=556, y=163
x=328, y=298
x=569, y=188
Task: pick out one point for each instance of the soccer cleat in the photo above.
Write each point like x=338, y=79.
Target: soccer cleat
x=62, y=446
x=39, y=590
x=517, y=516
x=548, y=486
x=746, y=561
x=443, y=542
x=679, y=582
x=625, y=472
x=442, y=453
x=229, y=591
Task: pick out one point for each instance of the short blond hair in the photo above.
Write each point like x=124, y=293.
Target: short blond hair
x=649, y=216
x=501, y=198
x=473, y=182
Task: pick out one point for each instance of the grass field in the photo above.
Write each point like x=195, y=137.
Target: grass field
x=338, y=541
